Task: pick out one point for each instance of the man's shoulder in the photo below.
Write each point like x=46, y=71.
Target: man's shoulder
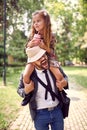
x=52, y=74
x=33, y=75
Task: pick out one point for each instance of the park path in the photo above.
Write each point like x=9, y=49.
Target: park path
x=77, y=119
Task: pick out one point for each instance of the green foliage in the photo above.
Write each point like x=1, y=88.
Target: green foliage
x=13, y=75
x=54, y=7
x=65, y=47
x=16, y=45
x=30, y=5
x=15, y=36
x=83, y=55
x=72, y=27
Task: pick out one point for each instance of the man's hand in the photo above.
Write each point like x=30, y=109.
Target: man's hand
x=29, y=87
x=61, y=84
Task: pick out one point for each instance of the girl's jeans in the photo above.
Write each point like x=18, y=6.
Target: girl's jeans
x=52, y=118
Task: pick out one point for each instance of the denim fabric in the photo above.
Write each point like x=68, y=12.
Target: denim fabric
x=49, y=119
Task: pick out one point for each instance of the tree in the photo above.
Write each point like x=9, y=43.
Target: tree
x=1, y=32
x=71, y=26
x=18, y=25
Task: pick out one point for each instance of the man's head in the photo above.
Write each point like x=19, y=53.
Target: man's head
x=38, y=57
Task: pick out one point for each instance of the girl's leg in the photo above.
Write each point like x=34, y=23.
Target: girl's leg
x=27, y=73
x=60, y=80
x=56, y=72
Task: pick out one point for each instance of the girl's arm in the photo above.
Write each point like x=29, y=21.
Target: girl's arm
x=31, y=43
x=43, y=46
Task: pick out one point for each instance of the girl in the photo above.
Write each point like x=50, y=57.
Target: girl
x=42, y=36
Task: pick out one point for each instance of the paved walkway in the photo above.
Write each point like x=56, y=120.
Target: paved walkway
x=77, y=119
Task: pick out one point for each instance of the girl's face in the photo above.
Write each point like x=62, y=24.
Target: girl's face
x=38, y=23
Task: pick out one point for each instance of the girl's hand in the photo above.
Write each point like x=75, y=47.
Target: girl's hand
x=42, y=45
x=33, y=42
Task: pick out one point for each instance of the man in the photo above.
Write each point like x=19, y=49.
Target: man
x=45, y=108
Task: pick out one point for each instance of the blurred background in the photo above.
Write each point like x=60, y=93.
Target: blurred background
x=69, y=23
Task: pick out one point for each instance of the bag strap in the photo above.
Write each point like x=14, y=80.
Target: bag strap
x=45, y=86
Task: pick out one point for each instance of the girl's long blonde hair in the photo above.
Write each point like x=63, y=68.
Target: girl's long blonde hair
x=47, y=35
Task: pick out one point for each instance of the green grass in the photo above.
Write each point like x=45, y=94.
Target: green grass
x=10, y=101
x=9, y=105
x=77, y=74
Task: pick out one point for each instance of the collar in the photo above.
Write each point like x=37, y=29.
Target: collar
x=39, y=71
